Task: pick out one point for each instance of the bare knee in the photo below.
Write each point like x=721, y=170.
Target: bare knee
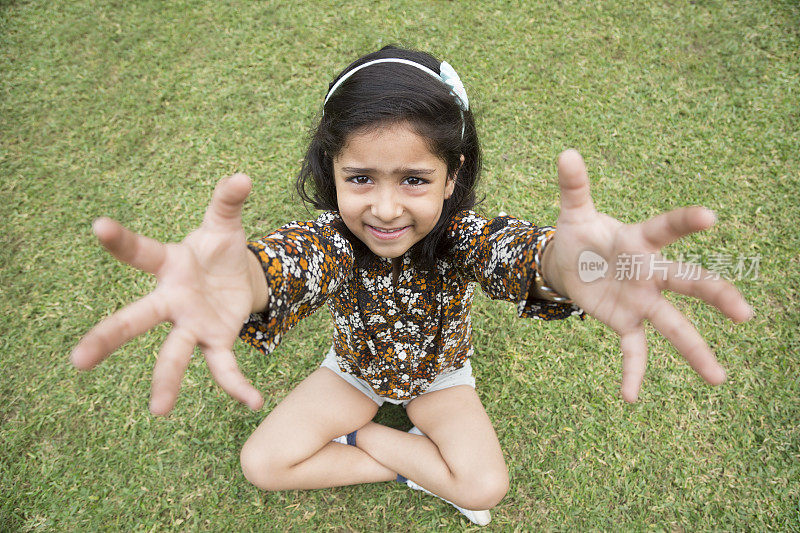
x=484, y=491
x=260, y=467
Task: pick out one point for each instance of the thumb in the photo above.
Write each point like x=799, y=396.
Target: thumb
x=573, y=182
x=226, y=203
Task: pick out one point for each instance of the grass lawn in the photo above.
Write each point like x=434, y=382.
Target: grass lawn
x=135, y=109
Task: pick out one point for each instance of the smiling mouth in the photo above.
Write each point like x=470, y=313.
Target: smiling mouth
x=388, y=233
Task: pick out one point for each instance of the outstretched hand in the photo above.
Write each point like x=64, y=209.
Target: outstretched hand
x=207, y=286
x=625, y=302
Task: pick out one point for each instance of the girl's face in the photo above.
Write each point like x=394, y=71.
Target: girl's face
x=390, y=188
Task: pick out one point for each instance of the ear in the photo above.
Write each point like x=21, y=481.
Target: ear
x=450, y=186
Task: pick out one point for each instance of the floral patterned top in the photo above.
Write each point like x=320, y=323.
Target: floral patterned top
x=400, y=336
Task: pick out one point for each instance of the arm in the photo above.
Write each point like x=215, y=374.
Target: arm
x=303, y=263
x=500, y=254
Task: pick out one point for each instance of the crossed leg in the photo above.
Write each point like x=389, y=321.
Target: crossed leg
x=459, y=458
x=292, y=448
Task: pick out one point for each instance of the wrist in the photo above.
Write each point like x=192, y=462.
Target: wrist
x=548, y=281
x=258, y=283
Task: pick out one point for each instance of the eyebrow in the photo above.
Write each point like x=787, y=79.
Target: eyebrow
x=402, y=170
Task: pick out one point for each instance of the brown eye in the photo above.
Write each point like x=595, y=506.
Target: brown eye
x=415, y=181
x=358, y=180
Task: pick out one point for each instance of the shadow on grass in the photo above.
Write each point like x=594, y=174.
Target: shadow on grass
x=393, y=416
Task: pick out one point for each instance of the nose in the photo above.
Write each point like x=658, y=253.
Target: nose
x=386, y=206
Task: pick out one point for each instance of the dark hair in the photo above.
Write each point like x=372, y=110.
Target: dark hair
x=385, y=94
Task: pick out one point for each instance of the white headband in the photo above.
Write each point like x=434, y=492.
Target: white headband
x=448, y=76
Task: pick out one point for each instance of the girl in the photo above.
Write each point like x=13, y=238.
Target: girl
x=394, y=162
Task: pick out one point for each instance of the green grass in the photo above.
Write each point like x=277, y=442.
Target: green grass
x=135, y=109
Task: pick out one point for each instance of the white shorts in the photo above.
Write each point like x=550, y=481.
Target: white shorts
x=461, y=376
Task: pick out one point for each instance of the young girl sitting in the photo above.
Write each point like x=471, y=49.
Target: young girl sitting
x=394, y=163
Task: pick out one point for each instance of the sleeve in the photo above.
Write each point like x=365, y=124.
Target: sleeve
x=305, y=263
x=499, y=254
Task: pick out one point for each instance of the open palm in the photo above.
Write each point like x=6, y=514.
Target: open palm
x=205, y=289
x=624, y=298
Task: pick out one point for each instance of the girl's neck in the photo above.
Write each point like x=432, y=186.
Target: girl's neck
x=397, y=264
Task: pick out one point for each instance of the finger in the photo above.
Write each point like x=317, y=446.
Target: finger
x=226, y=372
x=573, y=181
x=111, y=333
x=634, y=362
x=683, y=335
x=716, y=291
x=229, y=195
x=136, y=250
x=173, y=358
x=668, y=227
